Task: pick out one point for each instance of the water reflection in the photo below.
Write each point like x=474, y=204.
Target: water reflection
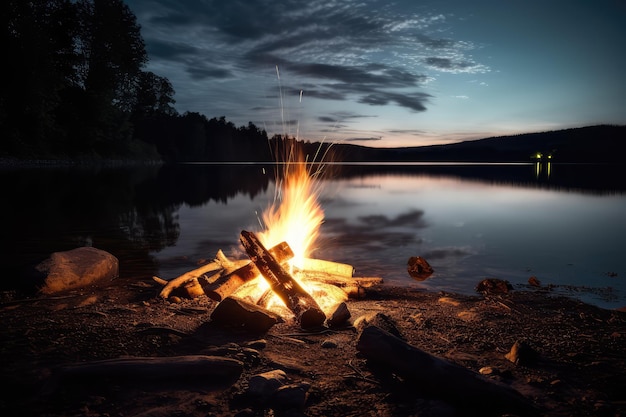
x=161, y=220
x=543, y=170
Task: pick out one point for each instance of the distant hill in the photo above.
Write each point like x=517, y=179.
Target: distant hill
x=603, y=143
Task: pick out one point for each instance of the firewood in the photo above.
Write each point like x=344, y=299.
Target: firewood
x=355, y=287
x=437, y=376
x=330, y=267
x=227, y=281
x=179, y=281
x=301, y=304
x=194, y=283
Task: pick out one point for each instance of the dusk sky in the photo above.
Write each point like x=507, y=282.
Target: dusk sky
x=387, y=74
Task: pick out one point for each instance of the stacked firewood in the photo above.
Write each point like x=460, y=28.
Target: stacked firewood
x=229, y=279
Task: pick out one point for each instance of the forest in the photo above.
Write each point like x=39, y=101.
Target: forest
x=77, y=89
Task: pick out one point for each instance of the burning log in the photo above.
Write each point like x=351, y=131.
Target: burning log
x=301, y=304
x=353, y=287
x=329, y=267
x=219, y=287
x=226, y=276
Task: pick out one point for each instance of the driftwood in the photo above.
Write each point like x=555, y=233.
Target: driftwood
x=438, y=377
x=226, y=282
x=150, y=368
x=301, y=304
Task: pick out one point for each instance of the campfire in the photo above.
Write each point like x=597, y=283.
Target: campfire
x=278, y=278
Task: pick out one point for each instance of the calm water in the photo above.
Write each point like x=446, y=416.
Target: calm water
x=564, y=224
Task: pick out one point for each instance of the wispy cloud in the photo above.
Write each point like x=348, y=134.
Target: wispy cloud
x=340, y=48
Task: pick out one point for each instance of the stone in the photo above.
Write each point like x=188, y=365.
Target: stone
x=265, y=384
x=77, y=268
x=494, y=286
x=340, y=315
x=236, y=313
x=418, y=268
x=521, y=354
x=291, y=396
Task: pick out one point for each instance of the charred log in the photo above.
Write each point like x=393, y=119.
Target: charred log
x=296, y=298
x=220, y=287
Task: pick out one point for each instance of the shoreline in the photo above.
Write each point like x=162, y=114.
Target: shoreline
x=578, y=364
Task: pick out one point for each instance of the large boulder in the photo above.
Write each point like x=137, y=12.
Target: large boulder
x=77, y=268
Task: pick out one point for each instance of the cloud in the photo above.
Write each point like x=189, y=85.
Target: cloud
x=372, y=139
x=204, y=71
x=361, y=51
x=413, y=101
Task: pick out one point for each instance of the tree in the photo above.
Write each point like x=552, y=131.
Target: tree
x=113, y=54
x=38, y=39
x=148, y=96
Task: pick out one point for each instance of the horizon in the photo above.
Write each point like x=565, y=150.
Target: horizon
x=377, y=74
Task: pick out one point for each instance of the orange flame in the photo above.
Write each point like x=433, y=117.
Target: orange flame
x=298, y=215
x=295, y=217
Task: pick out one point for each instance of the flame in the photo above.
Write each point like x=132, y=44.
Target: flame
x=295, y=217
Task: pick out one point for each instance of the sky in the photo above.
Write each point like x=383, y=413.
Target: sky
x=392, y=74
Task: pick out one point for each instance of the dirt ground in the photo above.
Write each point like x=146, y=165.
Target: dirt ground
x=577, y=365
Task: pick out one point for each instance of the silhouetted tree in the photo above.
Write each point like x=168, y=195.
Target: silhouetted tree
x=112, y=54
x=38, y=45
x=74, y=80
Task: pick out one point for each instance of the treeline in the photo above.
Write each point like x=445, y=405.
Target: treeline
x=76, y=88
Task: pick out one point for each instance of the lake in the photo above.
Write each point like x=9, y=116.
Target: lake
x=564, y=224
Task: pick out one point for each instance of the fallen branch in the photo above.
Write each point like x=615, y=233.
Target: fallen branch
x=150, y=368
x=437, y=376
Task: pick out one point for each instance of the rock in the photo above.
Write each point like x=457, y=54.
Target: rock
x=77, y=268
x=487, y=370
x=291, y=396
x=521, y=354
x=380, y=320
x=340, y=315
x=494, y=286
x=236, y=313
x=328, y=344
x=265, y=384
x=534, y=282
x=257, y=344
x=418, y=268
